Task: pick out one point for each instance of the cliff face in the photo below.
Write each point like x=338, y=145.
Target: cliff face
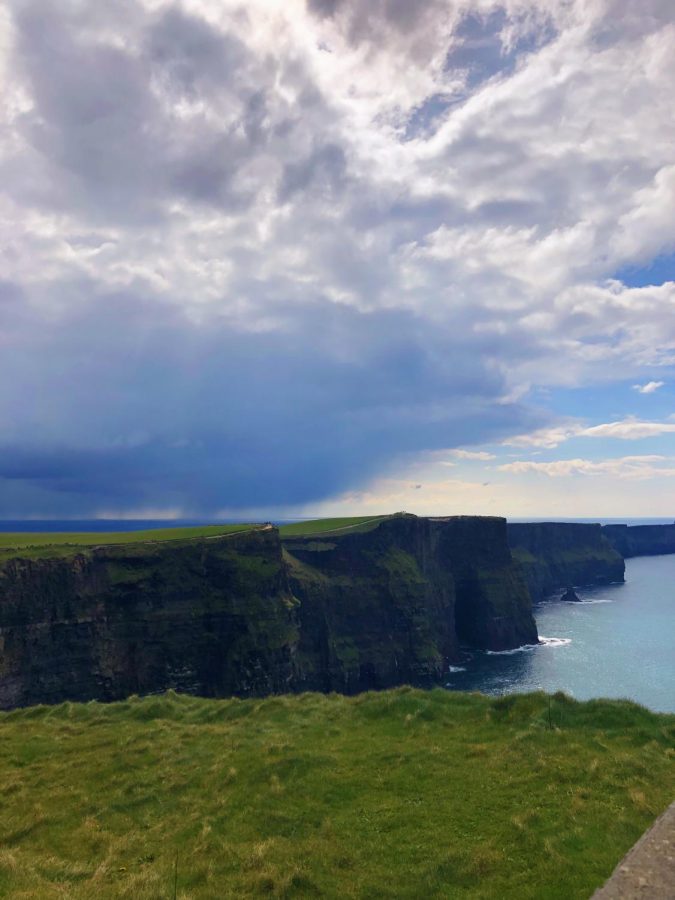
x=214, y=617
x=394, y=604
x=559, y=554
x=641, y=540
x=240, y=615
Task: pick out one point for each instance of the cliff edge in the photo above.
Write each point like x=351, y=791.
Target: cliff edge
x=212, y=617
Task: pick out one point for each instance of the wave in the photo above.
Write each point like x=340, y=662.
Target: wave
x=553, y=641
x=453, y=669
x=526, y=648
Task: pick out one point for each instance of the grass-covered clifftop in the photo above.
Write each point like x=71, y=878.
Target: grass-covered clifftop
x=402, y=794
x=49, y=544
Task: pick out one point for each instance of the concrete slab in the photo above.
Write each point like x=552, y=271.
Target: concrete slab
x=647, y=871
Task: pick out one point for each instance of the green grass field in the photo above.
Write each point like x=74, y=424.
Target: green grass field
x=328, y=526
x=400, y=794
x=64, y=543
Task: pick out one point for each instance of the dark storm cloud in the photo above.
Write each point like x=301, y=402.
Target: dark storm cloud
x=247, y=272
x=136, y=406
x=103, y=124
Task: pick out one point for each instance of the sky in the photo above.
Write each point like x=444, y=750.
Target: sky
x=337, y=257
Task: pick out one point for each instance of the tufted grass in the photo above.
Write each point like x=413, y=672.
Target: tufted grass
x=402, y=793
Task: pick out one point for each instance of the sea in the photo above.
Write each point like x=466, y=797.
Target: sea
x=619, y=641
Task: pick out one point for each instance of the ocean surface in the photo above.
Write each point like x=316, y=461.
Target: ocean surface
x=619, y=642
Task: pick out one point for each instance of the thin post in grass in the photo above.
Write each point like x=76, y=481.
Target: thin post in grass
x=175, y=878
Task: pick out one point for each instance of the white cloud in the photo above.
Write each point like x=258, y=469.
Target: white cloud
x=649, y=387
x=435, y=197
x=548, y=438
x=628, y=429
x=626, y=467
x=473, y=454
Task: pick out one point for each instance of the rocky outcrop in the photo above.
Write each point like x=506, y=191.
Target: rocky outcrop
x=394, y=604
x=641, y=540
x=554, y=555
x=240, y=615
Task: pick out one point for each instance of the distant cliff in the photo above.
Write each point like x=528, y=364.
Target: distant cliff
x=641, y=540
x=394, y=604
x=559, y=554
x=242, y=615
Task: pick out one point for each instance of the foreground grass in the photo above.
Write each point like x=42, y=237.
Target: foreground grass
x=326, y=526
x=398, y=794
x=65, y=543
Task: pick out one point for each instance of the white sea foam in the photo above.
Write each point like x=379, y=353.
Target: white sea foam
x=526, y=648
x=453, y=669
x=553, y=642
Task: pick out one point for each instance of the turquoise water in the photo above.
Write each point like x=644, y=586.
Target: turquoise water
x=619, y=642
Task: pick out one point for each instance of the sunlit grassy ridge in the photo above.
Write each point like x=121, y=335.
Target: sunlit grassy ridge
x=397, y=794
x=65, y=543
x=347, y=524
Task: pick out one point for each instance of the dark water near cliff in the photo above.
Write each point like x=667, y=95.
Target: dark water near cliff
x=620, y=642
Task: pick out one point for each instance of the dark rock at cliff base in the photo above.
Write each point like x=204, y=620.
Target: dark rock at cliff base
x=242, y=615
x=570, y=596
x=556, y=554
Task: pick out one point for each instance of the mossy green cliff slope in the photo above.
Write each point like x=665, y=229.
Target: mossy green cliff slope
x=240, y=615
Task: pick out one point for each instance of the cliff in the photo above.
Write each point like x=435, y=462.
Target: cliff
x=242, y=615
x=213, y=617
x=395, y=603
x=559, y=554
x=641, y=540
